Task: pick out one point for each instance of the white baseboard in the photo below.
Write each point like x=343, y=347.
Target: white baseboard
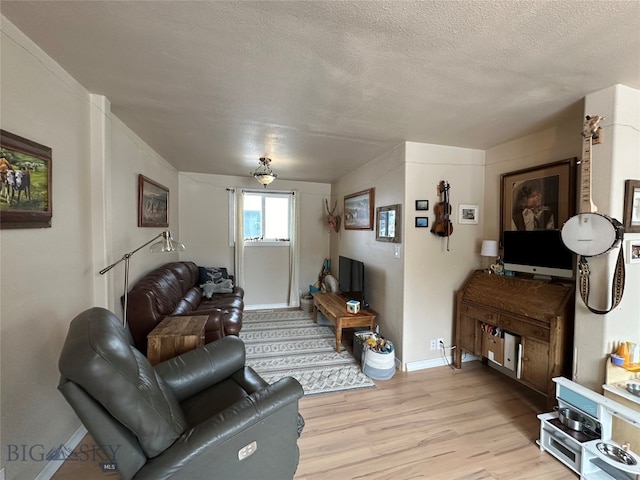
x=270, y=306
x=433, y=362
x=53, y=465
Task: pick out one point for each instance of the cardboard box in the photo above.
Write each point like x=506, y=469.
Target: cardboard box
x=493, y=348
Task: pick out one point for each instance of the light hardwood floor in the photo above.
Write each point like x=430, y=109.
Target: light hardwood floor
x=437, y=423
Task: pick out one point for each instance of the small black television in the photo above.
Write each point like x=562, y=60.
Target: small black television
x=351, y=278
x=540, y=252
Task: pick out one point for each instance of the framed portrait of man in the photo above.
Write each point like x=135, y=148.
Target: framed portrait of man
x=538, y=198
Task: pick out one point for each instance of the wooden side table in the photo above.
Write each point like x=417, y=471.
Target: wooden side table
x=334, y=307
x=175, y=335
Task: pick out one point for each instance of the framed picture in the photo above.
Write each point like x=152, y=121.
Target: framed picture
x=631, y=221
x=634, y=251
x=422, y=222
x=358, y=210
x=422, y=204
x=538, y=198
x=153, y=203
x=388, y=223
x=468, y=214
x=25, y=186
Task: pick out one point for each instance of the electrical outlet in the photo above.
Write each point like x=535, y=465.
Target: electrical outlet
x=434, y=344
x=440, y=342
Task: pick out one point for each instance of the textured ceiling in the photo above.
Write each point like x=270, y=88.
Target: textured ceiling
x=322, y=87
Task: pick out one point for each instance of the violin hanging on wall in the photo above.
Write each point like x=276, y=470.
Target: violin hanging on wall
x=442, y=225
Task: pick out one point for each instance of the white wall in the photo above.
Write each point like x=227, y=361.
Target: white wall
x=613, y=161
x=432, y=274
x=130, y=156
x=560, y=141
x=50, y=275
x=266, y=276
x=45, y=273
x=414, y=295
x=204, y=227
x=384, y=281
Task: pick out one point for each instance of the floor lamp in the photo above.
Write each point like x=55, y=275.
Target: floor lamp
x=167, y=244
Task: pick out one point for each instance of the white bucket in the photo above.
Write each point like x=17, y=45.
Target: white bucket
x=379, y=365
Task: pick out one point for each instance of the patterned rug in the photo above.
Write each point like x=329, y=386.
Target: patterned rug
x=289, y=343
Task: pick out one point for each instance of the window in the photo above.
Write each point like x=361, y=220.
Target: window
x=266, y=216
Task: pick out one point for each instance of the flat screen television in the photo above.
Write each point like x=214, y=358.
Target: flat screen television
x=351, y=278
x=540, y=252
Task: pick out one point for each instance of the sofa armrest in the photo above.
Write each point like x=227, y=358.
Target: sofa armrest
x=267, y=417
x=198, y=369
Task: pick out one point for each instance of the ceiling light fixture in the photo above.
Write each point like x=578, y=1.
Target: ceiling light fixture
x=263, y=173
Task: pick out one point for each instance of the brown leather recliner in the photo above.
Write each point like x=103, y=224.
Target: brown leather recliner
x=174, y=290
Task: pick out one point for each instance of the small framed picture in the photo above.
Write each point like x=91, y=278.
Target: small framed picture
x=634, y=251
x=422, y=222
x=153, y=203
x=468, y=214
x=422, y=204
x=631, y=220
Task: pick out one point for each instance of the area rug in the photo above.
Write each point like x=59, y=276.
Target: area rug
x=289, y=343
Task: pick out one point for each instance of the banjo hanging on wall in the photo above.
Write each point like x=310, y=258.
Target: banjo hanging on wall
x=589, y=234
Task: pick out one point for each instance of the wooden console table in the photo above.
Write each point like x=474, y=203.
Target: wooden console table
x=175, y=335
x=334, y=307
x=539, y=315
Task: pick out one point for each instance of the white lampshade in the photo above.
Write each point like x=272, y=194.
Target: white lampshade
x=489, y=248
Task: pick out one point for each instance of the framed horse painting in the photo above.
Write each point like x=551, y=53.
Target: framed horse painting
x=25, y=187
x=358, y=210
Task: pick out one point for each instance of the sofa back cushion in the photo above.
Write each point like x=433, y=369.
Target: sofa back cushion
x=186, y=273
x=98, y=357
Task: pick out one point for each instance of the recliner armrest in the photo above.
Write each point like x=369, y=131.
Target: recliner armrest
x=216, y=442
x=198, y=369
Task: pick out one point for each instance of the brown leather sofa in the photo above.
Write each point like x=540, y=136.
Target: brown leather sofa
x=174, y=290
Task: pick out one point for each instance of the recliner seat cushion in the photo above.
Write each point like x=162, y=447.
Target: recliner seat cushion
x=98, y=356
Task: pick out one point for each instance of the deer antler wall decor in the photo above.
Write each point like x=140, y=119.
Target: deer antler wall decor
x=333, y=220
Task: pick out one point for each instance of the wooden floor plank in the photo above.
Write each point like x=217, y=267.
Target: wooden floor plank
x=469, y=424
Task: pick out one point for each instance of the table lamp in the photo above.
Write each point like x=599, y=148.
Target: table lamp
x=489, y=248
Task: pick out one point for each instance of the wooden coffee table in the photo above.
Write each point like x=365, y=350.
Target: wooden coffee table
x=175, y=335
x=334, y=307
